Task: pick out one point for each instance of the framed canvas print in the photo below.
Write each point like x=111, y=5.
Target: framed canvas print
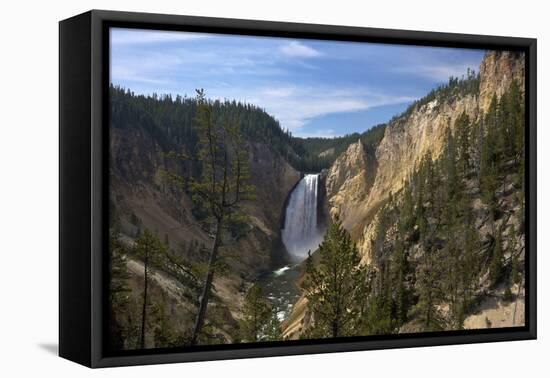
x=234, y=188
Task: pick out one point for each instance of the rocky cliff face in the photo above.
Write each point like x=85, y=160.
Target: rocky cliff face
x=358, y=185
x=348, y=184
x=497, y=71
x=355, y=192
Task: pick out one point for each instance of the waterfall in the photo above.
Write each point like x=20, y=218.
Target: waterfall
x=301, y=233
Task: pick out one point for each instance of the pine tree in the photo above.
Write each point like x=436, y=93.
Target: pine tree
x=272, y=329
x=464, y=141
x=335, y=286
x=164, y=332
x=428, y=290
x=496, y=267
x=489, y=171
x=477, y=139
x=517, y=119
x=149, y=249
x=256, y=314
x=515, y=270
x=470, y=262
x=407, y=213
x=452, y=276
x=119, y=291
x=450, y=169
x=402, y=295
x=222, y=186
x=429, y=278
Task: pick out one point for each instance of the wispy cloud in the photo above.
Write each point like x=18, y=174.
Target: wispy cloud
x=297, y=81
x=439, y=72
x=299, y=50
x=295, y=106
x=328, y=133
x=437, y=64
x=194, y=62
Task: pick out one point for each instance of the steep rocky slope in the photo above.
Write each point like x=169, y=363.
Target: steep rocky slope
x=348, y=184
x=142, y=198
x=406, y=141
x=359, y=184
x=143, y=192
x=498, y=70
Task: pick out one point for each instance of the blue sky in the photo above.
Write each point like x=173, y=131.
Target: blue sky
x=314, y=88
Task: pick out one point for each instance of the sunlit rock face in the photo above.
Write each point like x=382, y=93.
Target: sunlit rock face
x=498, y=69
x=358, y=183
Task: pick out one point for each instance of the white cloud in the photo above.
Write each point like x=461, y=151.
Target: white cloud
x=197, y=63
x=438, y=65
x=328, y=133
x=299, y=50
x=440, y=72
x=133, y=37
x=295, y=106
x=263, y=77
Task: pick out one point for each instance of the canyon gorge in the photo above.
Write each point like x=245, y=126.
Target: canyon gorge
x=367, y=186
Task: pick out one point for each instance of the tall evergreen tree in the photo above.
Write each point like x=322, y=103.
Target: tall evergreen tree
x=149, y=249
x=496, y=267
x=222, y=186
x=119, y=292
x=489, y=171
x=272, y=329
x=402, y=293
x=256, y=315
x=335, y=286
x=429, y=275
x=463, y=131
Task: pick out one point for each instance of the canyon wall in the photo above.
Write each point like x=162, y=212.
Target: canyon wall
x=358, y=184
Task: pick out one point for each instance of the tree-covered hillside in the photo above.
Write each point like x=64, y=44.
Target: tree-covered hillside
x=320, y=153
x=455, y=232
x=163, y=213
x=456, y=87
x=169, y=121
x=452, y=237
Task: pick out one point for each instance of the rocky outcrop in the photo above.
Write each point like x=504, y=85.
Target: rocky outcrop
x=358, y=184
x=355, y=193
x=497, y=71
x=348, y=184
x=494, y=312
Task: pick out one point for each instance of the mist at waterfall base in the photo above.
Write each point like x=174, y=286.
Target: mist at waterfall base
x=301, y=233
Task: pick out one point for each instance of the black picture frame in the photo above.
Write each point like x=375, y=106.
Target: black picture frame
x=83, y=181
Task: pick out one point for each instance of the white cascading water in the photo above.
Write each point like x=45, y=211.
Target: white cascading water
x=300, y=233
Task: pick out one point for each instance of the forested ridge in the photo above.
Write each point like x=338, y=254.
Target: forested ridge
x=170, y=122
